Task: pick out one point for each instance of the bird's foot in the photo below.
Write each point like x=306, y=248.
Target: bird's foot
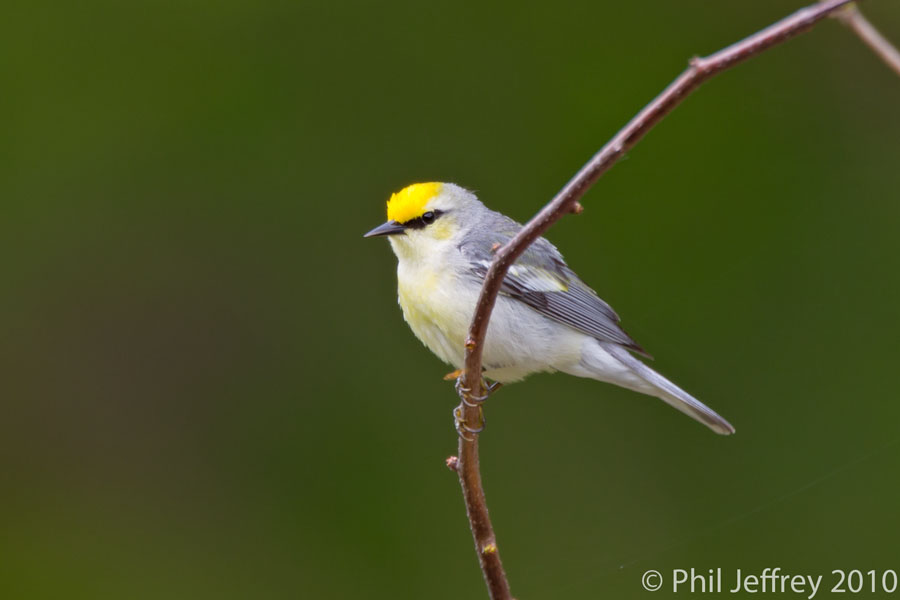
x=471, y=401
x=462, y=428
x=465, y=394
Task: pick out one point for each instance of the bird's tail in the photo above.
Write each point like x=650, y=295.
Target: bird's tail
x=644, y=379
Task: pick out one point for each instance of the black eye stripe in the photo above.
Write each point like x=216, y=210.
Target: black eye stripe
x=423, y=221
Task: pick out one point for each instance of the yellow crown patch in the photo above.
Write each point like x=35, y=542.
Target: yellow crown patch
x=409, y=203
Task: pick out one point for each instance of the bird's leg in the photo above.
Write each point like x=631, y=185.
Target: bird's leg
x=465, y=394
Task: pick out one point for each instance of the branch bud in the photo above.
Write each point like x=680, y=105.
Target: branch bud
x=452, y=463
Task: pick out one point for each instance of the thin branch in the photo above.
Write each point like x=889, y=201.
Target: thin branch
x=469, y=471
x=699, y=71
x=852, y=18
x=566, y=201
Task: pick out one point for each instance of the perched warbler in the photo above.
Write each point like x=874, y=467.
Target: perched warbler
x=545, y=318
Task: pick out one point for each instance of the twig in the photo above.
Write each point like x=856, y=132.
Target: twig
x=479, y=521
x=565, y=202
x=699, y=71
x=852, y=18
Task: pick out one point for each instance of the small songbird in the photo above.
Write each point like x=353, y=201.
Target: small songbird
x=545, y=318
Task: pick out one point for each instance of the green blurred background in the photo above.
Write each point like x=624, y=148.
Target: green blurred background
x=208, y=388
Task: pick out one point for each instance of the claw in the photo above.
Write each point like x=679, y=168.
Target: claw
x=461, y=390
x=475, y=400
x=465, y=394
x=462, y=428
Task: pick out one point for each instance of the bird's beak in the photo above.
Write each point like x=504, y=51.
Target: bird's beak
x=389, y=228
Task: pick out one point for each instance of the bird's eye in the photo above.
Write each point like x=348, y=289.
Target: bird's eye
x=428, y=217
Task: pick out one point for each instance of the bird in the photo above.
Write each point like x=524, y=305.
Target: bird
x=545, y=318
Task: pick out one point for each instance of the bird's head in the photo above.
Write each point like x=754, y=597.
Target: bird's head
x=424, y=214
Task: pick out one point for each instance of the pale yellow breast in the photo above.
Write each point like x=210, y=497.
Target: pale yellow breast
x=435, y=311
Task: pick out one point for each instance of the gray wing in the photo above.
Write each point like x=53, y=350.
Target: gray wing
x=541, y=279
